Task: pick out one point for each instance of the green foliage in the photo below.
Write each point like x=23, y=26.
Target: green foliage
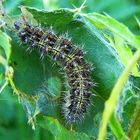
x=38, y=84
x=5, y=44
x=120, y=34
x=123, y=11
x=111, y=102
x=134, y=128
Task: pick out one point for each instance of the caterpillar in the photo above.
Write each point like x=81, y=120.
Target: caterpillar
x=77, y=98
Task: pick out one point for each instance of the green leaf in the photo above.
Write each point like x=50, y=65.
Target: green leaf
x=5, y=52
x=58, y=130
x=54, y=87
x=113, y=25
x=31, y=74
x=134, y=128
x=121, y=34
x=38, y=72
x=111, y=102
x=49, y=19
x=123, y=11
x=116, y=128
x=11, y=7
x=5, y=44
x=124, y=52
x=82, y=33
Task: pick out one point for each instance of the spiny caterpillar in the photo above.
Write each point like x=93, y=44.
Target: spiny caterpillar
x=77, y=99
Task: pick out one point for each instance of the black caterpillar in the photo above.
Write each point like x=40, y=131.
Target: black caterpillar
x=61, y=49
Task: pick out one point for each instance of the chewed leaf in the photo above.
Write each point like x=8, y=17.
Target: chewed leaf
x=49, y=19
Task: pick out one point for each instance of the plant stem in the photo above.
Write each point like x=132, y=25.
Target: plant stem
x=3, y=61
x=111, y=102
x=3, y=87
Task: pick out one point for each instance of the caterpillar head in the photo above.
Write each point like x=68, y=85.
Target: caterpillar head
x=20, y=24
x=22, y=28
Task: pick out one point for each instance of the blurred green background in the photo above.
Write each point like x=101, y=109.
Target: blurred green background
x=13, y=121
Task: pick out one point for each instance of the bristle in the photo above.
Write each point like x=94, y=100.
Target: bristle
x=76, y=99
